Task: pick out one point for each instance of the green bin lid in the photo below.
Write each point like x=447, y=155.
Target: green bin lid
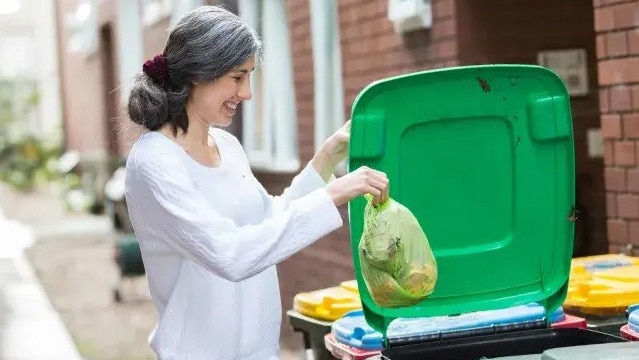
x=484, y=158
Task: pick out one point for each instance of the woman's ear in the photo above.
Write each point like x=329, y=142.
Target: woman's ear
x=196, y=83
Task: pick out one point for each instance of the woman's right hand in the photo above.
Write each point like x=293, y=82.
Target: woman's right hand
x=362, y=181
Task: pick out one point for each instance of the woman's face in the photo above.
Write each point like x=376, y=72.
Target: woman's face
x=217, y=100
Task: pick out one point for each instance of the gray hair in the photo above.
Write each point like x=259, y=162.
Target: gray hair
x=204, y=45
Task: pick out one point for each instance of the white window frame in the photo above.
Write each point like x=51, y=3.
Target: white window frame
x=17, y=55
x=130, y=45
x=82, y=25
x=327, y=71
x=274, y=148
x=183, y=7
x=153, y=11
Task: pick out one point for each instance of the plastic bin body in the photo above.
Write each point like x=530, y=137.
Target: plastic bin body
x=494, y=141
x=128, y=256
x=345, y=352
x=313, y=332
x=353, y=331
x=560, y=320
x=627, y=333
x=516, y=343
x=570, y=321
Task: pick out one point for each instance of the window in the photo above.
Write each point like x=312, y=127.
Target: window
x=571, y=65
x=269, y=129
x=130, y=45
x=17, y=56
x=8, y=7
x=327, y=65
x=82, y=27
x=183, y=7
x=155, y=10
x=19, y=103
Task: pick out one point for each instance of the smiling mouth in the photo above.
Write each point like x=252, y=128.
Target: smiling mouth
x=231, y=106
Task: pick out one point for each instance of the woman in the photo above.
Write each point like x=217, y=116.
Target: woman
x=210, y=235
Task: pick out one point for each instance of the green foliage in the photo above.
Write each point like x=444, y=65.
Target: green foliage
x=25, y=161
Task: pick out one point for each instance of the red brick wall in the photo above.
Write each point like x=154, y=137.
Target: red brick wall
x=617, y=28
x=502, y=31
x=300, y=32
x=372, y=50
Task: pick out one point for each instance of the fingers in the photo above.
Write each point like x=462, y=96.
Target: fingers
x=375, y=174
x=376, y=184
x=362, y=181
x=378, y=190
x=347, y=126
x=377, y=195
x=343, y=136
x=385, y=192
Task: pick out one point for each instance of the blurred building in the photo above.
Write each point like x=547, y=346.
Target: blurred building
x=29, y=68
x=320, y=53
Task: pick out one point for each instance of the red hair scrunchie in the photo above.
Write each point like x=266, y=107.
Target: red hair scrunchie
x=158, y=69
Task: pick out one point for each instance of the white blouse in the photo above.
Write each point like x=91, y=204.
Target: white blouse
x=210, y=240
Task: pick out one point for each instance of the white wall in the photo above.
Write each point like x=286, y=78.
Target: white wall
x=47, y=54
x=28, y=49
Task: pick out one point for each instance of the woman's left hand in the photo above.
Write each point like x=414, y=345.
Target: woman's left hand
x=336, y=146
x=333, y=151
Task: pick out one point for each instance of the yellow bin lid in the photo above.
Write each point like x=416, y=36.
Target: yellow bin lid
x=327, y=304
x=350, y=285
x=604, y=262
x=601, y=295
x=627, y=274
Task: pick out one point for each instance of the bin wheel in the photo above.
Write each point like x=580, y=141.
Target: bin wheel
x=117, y=296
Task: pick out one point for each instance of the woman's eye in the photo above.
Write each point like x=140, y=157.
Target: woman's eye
x=236, y=78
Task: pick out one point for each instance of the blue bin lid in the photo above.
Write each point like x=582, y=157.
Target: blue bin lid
x=558, y=315
x=353, y=330
x=438, y=325
x=633, y=320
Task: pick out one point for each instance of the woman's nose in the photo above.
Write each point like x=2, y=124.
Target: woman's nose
x=244, y=91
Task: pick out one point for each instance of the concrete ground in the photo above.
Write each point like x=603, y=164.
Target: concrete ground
x=60, y=289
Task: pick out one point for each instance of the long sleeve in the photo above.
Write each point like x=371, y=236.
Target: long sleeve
x=307, y=181
x=175, y=212
x=304, y=183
